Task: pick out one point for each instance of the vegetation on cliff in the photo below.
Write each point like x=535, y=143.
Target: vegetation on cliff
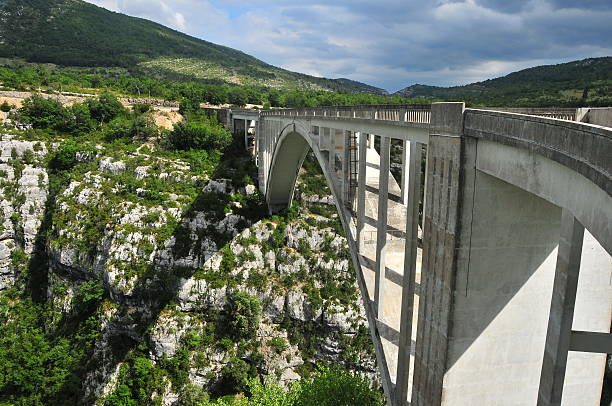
x=155, y=272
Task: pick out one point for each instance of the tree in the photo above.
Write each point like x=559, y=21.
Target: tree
x=337, y=387
x=244, y=315
x=76, y=119
x=42, y=112
x=188, y=105
x=198, y=134
x=144, y=128
x=5, y=107
x=238, y=96
x=105, y=108
x=215, y=94
x=119, y=127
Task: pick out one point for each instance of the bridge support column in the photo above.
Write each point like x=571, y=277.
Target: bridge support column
x=440, y=239
x=346, y=166
x=413, y=197
x=406, y=162
x=361, y=188
x=246, y=134
x=561, y=311
x=381, y=234
x=332, y=154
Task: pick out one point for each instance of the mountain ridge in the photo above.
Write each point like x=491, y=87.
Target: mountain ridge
x=76, y=33
x=575, y=82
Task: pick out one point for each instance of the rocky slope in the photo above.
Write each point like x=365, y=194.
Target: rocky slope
x=161, y=266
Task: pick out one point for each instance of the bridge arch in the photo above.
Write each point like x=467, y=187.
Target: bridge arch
x=290, y=151
x=293, y=144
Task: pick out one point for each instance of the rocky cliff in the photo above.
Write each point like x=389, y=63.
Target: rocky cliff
x=145, y=264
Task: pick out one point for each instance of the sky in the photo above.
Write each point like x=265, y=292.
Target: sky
x=393, y=43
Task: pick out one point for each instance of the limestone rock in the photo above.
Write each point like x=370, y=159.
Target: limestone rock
x=107, y=165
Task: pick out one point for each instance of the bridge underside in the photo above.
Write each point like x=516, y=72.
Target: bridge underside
x=509, y=301
x=285, y=168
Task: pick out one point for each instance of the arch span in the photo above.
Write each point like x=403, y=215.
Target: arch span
x=291, y=149
x=287, y=159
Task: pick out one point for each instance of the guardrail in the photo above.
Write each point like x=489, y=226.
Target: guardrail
x=416, y=113
x=552, y=112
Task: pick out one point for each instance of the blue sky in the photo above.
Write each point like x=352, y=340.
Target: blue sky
x=393, y=43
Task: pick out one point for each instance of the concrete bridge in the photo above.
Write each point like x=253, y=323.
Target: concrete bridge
x=481, y=241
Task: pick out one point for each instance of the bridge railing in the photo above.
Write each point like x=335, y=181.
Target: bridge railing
x=551, y=112
x=415, y=113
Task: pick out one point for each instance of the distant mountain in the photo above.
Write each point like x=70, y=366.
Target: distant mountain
x=76, y=33
x=585, y=82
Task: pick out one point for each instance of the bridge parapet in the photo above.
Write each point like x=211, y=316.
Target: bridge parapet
x=552, y=112
x=584, y=148
x=416, y=113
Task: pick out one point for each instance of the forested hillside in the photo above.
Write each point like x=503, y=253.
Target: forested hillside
x=580, y=83
x=19, y=75
x=76, y=33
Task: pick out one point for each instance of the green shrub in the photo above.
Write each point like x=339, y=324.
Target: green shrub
x=119, y=127
x=142, y=108
x=335, y=386
x=225, y=344
x=278, y=344
x=139, y=378
x=193, y=395
x=144, y=128
x=76, y=119
x=243, y=315
x=198, y=135
x=42, y=113
x=105, y=108
x=235, y=376
x=28, y=157
x=65, y=156
x=5, y=107
x=89, y=292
